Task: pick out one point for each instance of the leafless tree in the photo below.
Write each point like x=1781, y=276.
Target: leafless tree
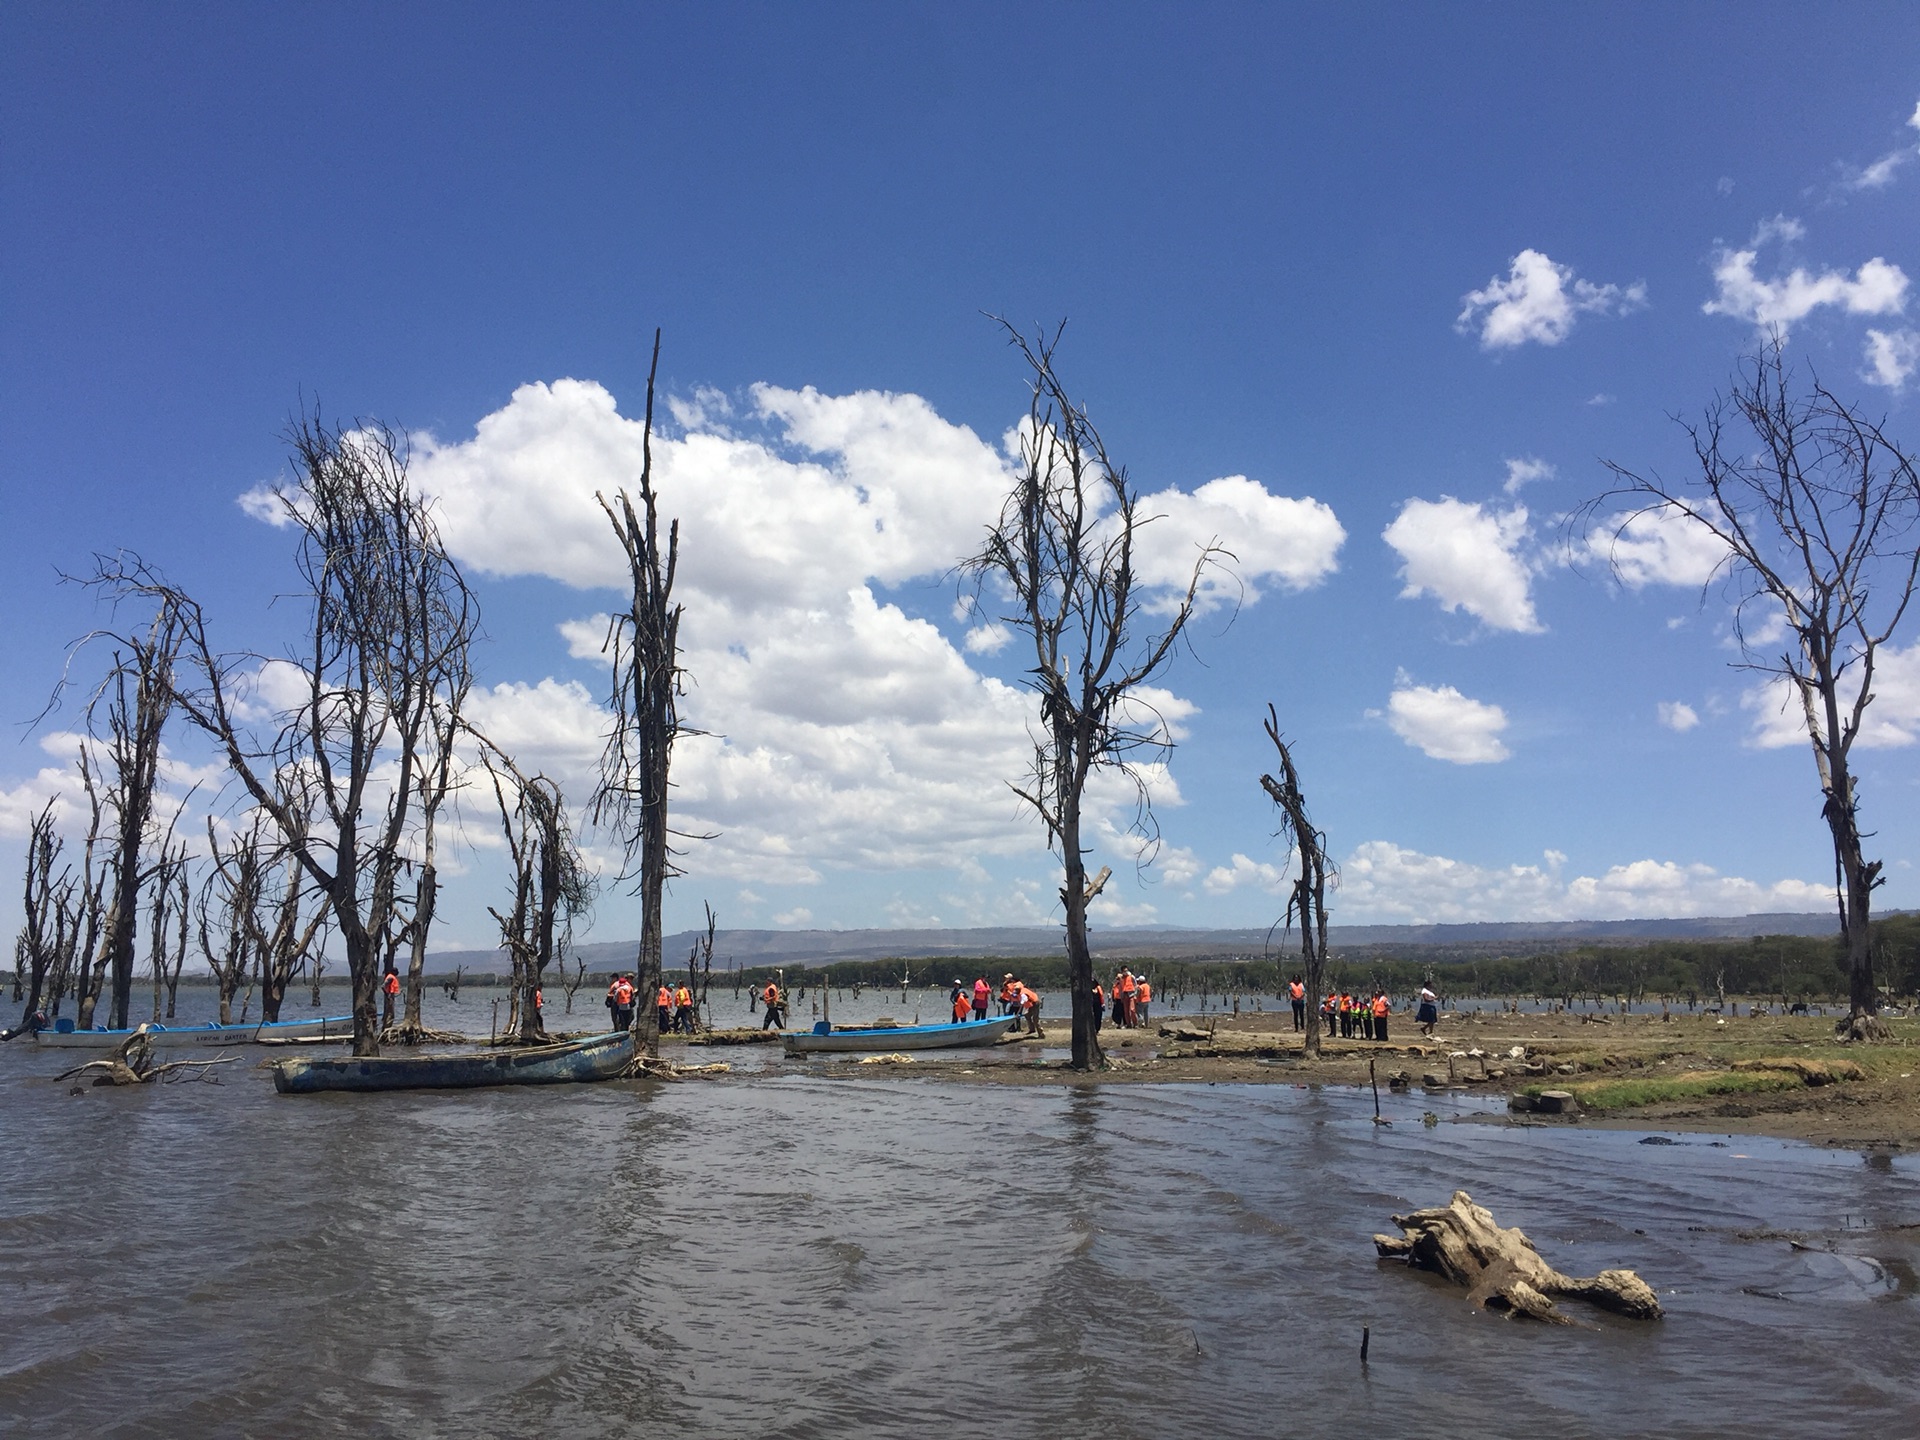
x=53, y=912
x=1062, y=552
x=389, y=626
x=445, y=724
x=1307, y=898
x=1817, y=510
x=167, y=927
x=644, y=642
x=551, y=885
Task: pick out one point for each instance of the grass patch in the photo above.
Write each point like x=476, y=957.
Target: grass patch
x=1602, y=1095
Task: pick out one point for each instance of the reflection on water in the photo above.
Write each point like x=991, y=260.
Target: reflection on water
x=792, y=1254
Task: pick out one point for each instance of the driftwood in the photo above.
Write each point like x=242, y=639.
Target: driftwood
x=132, y=1064
x=1502, y=1270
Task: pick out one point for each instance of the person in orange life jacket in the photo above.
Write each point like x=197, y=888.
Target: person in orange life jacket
x=1099, y=1007
x=961, y=1002
x=1009, y=1000
x=1124, y=990
x=982, y=997
x=684, y=1014
x=1363, y=1014
x=620, y=1001
x=1381, y=1009
x=1142, y=999
x=1029, y=1000
x=775, y=1004
x=390, y=988
x=1297, y=993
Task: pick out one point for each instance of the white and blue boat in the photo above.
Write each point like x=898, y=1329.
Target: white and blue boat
x=63, y=1035
x=827, y=1038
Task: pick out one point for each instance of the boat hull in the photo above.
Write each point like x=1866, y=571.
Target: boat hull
x=601, y=1058
x=900, y=1037
x=331, y=1027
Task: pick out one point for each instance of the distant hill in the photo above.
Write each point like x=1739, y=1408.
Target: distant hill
x=747, y=948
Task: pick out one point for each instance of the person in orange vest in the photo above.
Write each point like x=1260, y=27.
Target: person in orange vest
x=1030, y=1007
x=982, y=997
x=663, y=1009
x=962, y=999
x=1124, y=990
x=1297, y=993
x=683, y=1009
x=1009, y=998
x=620, y=1001
x=770, y=999
x=1143, y=1000
x=1099, y=1007
x=390, y=987
x=1329, y=1008
x=1381, y=1009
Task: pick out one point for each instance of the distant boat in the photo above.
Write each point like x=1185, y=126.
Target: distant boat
x=827, y=1039
x=601, y=1058
x=330, y=1027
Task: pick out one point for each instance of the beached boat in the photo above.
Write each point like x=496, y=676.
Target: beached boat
x=170, y=1037
x=601, y=1058
x=828, y=1039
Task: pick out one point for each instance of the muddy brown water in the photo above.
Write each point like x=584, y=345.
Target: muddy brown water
x=785, y=1253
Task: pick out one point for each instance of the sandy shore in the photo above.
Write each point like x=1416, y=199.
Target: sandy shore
x=1696, y=1068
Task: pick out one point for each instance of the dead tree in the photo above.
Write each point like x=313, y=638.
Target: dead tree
x=167, y=928
x=551, y=887
x=226, y=911
x=1307, y=898
x=390, y=622
x=445, y=724
x=52, y=916
x=126, y=717
x=1062, y=552
x=635, y=768
x=1817, y=510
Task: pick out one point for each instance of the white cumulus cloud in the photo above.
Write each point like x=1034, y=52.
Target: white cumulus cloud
x=1539, y=301
x=1781, y=301
x=1678, y=716
x=1661, y=547
x=1468, y=557
x=1241, y=873
x=1445, y=725
x=1892, y=356
x=1274, y=539
x=1387, y=882
x=1891, y=722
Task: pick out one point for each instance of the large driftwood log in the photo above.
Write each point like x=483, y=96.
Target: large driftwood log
x=1501, y=1269
x=132, y=1063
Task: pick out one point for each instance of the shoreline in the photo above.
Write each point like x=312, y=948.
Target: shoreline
x=1781, y=1077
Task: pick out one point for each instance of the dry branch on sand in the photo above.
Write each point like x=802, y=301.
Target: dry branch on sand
x=132, y=1064
x=1501, y=1269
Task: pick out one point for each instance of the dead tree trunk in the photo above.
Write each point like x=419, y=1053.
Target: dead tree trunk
x=1307, y=899
x=635, y=769
x=1062, y=549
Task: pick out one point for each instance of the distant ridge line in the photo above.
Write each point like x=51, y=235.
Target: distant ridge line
x=748, y=948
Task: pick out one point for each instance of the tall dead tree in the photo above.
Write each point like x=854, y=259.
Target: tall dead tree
x=390, y=622
x=1817, y=510
x=224, y=914
x=1307, y=896
x=52, y=913
x=635, y=769
x=167, y=928
x=437, y=781
x=1062, y=553
x=551, y=887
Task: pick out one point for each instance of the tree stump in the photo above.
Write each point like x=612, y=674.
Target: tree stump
x=1500, y=1268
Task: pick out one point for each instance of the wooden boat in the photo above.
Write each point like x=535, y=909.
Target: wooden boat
x=828, y=1039
x=601, y=1058
x=171, y=1037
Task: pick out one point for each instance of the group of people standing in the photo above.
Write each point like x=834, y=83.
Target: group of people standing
x=1360, y=1016
x=1130, y=1003
x=677, y=1011
x=975, y=1001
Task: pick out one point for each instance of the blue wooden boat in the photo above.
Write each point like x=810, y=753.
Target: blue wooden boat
x=827, y=1039
x=173, y=1037
x=603, y=1057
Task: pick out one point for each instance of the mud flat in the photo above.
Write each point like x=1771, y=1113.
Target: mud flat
x=1769, y=1075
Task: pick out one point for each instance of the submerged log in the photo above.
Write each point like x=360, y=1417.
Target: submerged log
x=1500, y=1268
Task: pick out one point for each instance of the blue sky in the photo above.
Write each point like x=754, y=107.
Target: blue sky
x=1265, y=226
